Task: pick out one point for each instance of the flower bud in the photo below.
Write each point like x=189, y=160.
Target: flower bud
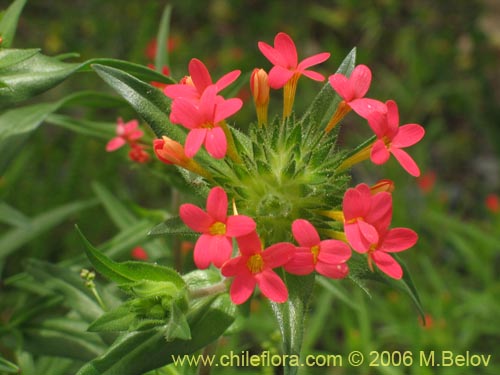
x=259, y=85
x=169, y=151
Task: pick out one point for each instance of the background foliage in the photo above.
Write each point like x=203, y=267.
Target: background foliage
x=438, y=60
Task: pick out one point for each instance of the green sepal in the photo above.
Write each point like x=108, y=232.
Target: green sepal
x=130, y=271
x=116, y=320
x=177, y=326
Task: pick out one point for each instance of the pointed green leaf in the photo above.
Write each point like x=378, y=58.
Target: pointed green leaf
x=126, y=356
x=172, y=226
x=126, y=272
x=291, y=315
x=118, y=212
x=151, y=104
x=8, y=22
x=161, y=58
x=102, y=130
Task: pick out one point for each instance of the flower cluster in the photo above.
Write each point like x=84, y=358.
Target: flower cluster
x=286, y=177
x=129, y=134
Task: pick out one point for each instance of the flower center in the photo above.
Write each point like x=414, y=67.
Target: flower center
x=255, y=263
x=217, y=229
x=207, y=125
x=315, y=253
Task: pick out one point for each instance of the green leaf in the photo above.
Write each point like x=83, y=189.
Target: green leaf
x=325, y=103
x=9, y=215
x=19, y=236
x=102, y=130
x=8, y=22
x=63, y=337
x=119, y=319
x=178, y=326
x=161, y=58
x=291, y=315
x=118, y=212
x=151, y=104
x=126, y=356
x=8, y=367
x=10, y=57
x=172, y=226
x=126, y=272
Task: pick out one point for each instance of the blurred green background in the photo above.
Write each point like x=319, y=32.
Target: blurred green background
x=440, y=61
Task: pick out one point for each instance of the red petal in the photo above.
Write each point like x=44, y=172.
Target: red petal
x=398, y=239
x=220, y=248
x=249, y=244
x=115, y=144
x=272, y=286
x=380, y=214
x=239, y=225
x=334, y=251
x=217, y=204
x=216, y=143
x=227, y=79
x=360, y=80
x=392, y=117
x=274, y=56
x=279, y=76
x=195, y=218
x=313, y=60
x=406, y=161
x=227, y=108
x=200, y=75
x=234, y=266
x=379, y=154
x=341, y=85
x=181, y=91
x=242, y=287
x=356, y=238
x=356, y=202
x=202, y=256
x=305, y=233
x=408, y=135
x=278, y=254
x=333, y=271
x=387, y=264
x=285, y=45
x=313, y=75
x=194, y=140
x=365, y=107
x=184, y=112
x=302, y=262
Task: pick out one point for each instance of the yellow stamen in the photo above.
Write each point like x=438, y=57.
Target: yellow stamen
x=218, y=228
x=342, y=110
x=255, y=263
x=289, y=95
x=315, y=253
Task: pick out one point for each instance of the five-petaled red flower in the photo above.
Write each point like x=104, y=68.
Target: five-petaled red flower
x=255, y=267
x=327, y=257
x=215, y=244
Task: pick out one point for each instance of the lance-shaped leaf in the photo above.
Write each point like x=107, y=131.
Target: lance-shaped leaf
x=10, y=57
x=126, y=272
x=151, y=104
x=291, y=315
x=8, y=22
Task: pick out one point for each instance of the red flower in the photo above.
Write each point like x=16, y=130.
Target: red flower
x=365, y=215
x=139, y=253
x=284, y=57
x=203, y=120
x=327, y=257
x=215, y=243
x=137, y=153
x=126, y=133
x=199, y=80
x=169, y=151
x=255, y=267
x=493, y=203
x=392, y=138
x=391, y=241
x=165, y=71
x=352, y=90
